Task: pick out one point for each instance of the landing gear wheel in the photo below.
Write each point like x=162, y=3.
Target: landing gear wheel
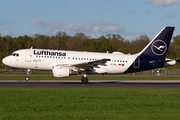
x=27, y=78
x=84, y=80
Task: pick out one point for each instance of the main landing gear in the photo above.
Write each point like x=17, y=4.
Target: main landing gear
x=84, y=79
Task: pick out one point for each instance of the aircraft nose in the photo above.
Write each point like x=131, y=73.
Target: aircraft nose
x=5, y=61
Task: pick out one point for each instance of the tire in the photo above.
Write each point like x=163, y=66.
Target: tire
x=27, y=78
x=84, y=80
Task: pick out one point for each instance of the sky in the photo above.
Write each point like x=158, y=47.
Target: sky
x=94, y=18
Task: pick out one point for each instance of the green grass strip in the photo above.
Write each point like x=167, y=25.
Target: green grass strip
x=89, y=104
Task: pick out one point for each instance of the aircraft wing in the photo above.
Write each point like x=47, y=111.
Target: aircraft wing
x=90, y=65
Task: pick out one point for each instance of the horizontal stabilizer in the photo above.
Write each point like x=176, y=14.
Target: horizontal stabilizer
x=167, y=62
x=178, y=60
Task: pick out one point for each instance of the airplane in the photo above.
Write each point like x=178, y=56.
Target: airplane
x=64, y=63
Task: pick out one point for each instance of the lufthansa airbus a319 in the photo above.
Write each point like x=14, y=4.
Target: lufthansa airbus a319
x=64, y=63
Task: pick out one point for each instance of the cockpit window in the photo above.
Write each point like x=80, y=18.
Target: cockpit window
x=15, y=54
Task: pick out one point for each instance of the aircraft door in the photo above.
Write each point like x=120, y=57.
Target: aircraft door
x=137, y=63
x=28, y=56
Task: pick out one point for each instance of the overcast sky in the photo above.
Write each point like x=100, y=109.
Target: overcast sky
x=129, y=18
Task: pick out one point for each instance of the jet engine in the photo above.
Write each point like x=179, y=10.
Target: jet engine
x=61, y=71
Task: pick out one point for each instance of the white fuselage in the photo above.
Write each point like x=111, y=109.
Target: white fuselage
x=36, y=59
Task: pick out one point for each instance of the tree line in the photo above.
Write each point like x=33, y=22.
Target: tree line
x=81, y=42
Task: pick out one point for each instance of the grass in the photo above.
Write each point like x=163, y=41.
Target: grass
x=89, y=104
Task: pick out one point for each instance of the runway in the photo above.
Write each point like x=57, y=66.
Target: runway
x=92, y=84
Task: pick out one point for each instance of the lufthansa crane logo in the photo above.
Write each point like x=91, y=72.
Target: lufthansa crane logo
x=158, y=47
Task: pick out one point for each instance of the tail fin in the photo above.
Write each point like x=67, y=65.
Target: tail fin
x=158, y=47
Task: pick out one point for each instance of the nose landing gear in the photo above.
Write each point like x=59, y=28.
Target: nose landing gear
x=27, y=78
x=28, y=72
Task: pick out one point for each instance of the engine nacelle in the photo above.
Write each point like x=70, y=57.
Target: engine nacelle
x=60, y=71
